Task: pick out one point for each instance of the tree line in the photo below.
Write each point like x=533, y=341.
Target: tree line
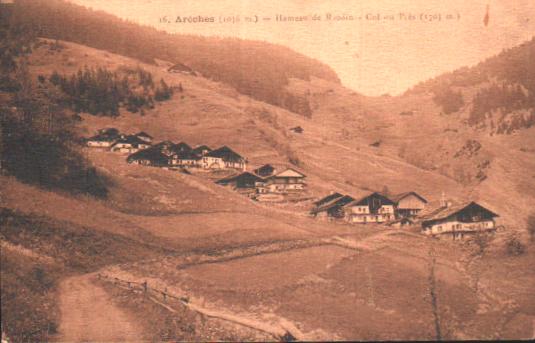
x=101, y=91
x=37, y=141
x=505, y=82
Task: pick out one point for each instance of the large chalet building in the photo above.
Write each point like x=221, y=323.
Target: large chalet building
x=408, y=204
x=373, y=208
x=149, y=157
x=242, y=181
x=332, y=206
x=457, y=221
x=223, y=158
x=289, y=180
x=129, y=144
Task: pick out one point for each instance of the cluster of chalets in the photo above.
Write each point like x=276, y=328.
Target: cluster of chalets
x=141, y=150
x=443, y=219
x=266, y=183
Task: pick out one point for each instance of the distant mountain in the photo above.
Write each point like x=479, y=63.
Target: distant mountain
x=260, y=70
x=497, y=95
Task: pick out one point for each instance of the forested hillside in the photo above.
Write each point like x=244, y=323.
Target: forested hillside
x=499, y=92
x=257, y=69
x=37, y=143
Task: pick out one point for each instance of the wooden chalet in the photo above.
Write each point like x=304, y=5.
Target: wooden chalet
x=244, y=180
x=104, y=138
x=265, y=170
x=181, y=147
x=166, y=147
x=408, y=204
x=109, y=131
x=129, y=144
x=223, y=158
x=288, y=180
x=327, y=199
x=185, y=159
x=333, y=209
x=457, y=221
x=149, y=157
x=373, y=208
x=100, y=141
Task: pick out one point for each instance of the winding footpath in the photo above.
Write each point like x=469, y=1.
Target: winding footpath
x=88, y=314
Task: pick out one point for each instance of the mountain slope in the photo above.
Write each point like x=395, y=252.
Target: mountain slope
x=351, y=144
x=424, y=151
x=253, y=68
x=497, y=95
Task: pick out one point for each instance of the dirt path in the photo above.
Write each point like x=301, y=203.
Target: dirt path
x=88, y=315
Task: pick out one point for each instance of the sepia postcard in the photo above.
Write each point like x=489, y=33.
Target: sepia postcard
x=267, y=171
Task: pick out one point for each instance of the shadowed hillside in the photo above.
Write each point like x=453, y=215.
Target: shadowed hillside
x=497, y=95
x=257, y=69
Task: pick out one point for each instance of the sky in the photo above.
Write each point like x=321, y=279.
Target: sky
x=408, y=43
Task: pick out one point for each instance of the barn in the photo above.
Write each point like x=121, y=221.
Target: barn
x=332, y=209
x=244, y=180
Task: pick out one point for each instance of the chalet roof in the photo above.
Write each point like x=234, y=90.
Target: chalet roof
x=226, y=154
x=181, y=147
x=130, y=139
x=164, y=144
x=200, y=149
x=242, y=176
x=143, y=134
x=152, y=154
x=289, y=172
x=265, y=169
x=186, y=155
x=444, y=212
x=398, y=197
x=111, y=131
x=338, y=202
x=364, y=200
x=102, y=138
x=328, y=198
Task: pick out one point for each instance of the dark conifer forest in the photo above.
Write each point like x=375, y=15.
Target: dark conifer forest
x=505, y=82
x=37, y=141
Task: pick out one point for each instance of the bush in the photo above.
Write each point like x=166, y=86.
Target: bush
x=515, y=247
x=48, y=160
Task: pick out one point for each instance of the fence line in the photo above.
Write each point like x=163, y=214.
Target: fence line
x=280, y=333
